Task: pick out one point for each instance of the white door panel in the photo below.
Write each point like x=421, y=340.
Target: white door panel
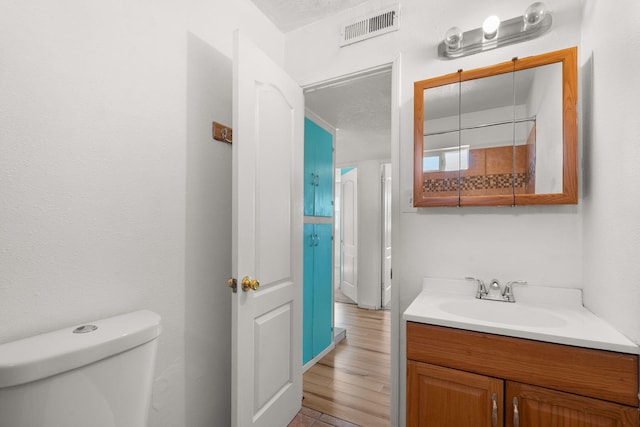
x=267, y=240
x=273, y=188
x=349, y=193
x=273, y=344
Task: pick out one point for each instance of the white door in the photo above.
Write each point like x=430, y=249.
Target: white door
x=349, y=216
x=268, y=111
x=386, y=235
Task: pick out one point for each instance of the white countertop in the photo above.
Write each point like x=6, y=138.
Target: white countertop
x=540, y=313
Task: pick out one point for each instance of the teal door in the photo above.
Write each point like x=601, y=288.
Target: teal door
x=317, y=293
x=307, y=292
x=322, y=295
x=318, y=170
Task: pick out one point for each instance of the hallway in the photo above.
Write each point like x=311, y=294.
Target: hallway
x=353, y=381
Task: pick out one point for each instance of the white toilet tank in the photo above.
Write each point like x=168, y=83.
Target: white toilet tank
x=94, y=375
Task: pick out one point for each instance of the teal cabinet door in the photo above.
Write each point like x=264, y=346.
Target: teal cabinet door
x=317, y=306
x=324, y=171
x=322, y=295
x=310, y=131
x=307, y=292
x=318, y=170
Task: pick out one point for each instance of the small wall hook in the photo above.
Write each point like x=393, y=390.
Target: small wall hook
x=222, y=133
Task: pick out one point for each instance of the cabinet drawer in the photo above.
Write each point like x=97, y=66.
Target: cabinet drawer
x=594, y=373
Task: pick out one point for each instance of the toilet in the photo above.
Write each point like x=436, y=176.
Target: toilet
x=97, y=374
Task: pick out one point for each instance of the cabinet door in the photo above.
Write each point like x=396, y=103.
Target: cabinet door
x=317, y=307
x=530, y=406
x=318, y=170
x=310, y=129
x=322, y=292
x=307, y=292
x=324, y=171
x=438, y=397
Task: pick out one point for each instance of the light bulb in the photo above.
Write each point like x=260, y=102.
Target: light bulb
x=453, y=38
x=490, y=27
x=534, y=14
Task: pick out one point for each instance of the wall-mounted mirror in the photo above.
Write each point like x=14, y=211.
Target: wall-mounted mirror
x=500, y=135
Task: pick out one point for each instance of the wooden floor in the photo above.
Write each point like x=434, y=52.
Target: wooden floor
x=353, y=381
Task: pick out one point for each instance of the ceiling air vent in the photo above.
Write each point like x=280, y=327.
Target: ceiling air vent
x=370, y=26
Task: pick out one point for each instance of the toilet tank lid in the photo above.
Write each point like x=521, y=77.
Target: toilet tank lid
x=51, y=353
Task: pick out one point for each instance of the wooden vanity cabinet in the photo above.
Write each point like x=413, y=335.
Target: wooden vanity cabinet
x=439, y=396
x=539, y=406
x=462, y=378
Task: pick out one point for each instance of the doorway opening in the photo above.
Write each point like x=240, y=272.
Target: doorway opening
x=358, y=108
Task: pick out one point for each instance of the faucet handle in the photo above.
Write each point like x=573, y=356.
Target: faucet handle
x=482, y=289
x=507, y=293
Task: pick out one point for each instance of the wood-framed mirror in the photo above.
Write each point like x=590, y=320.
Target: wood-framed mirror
x=499, y=135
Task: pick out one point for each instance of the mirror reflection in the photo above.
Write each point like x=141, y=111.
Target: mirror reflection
x=542, y=108
x=441, y=158
x=486, y=122
x=496, y=135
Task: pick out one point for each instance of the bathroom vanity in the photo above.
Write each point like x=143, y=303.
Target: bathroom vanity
x=542, y=361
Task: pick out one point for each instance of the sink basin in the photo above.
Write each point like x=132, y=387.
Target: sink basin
x=503, y=312
x=541, y=313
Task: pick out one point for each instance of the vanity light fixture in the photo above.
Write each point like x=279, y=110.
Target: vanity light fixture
x=453, y=38
x=490, y=27
x=535, y=21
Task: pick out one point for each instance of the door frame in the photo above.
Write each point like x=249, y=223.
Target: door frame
x=398, y=367
x=384, y=222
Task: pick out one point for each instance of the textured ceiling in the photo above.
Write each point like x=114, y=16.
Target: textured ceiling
x=365, y=101
x=289, y=15
x=360, y=110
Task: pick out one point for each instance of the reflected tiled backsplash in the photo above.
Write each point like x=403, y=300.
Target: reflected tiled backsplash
x=480, y=182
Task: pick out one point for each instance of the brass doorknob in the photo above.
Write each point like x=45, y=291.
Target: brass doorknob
x=249, y=283
x=233, y=284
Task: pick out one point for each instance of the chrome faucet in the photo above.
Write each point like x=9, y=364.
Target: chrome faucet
x=507, y=293
x=495, y=292
x=482, y=289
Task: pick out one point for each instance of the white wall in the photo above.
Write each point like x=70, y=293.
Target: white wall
x=369, y=234
x=611, y=184
x=98, y=102
x=351, y=148
x=208, y=237
x=542, y=245
x=93, y=165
